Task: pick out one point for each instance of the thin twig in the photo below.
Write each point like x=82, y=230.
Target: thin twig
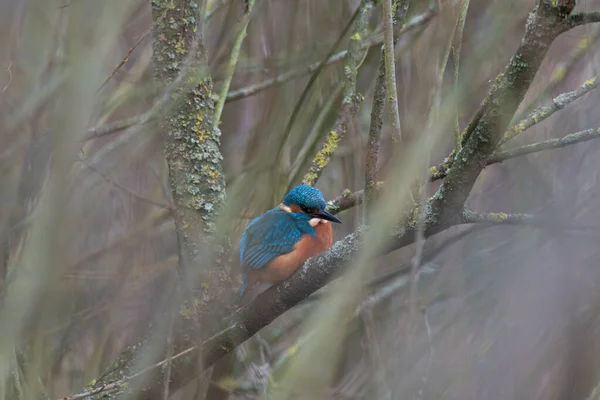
x=210, y=13
x=126, y=190
x=348, y=200
x=314, y=137
x=117, y=385
x=470, y=217
x=116, y=126
x=558, y=103
x=233, y=95
x=456, y=48
x=377, y=116
x=255, y=88
x=562, y=71
x=390, y=71
x=372, y=349
x=351, y=100
x=231, y=64
x=10, y=77
x=374, y=136
x=170, y=363
x=573, y=138
x=352, y=199
x=375, y=41
x=313, y=79
x=430, y=360
x=126, y=58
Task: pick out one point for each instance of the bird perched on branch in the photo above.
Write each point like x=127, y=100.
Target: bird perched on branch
x=278, y=242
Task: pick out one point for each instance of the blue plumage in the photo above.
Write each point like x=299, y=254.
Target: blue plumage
x=276, y=232
x=305, y=196
x=271, y=235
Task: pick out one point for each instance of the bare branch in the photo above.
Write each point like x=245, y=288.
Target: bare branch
x=440, y=171
x=470, y=217
x=348, y=200
x=233, y=95
x=558, y=103
x=573, y=138
x=545, y=23
x=390, y=71
x=116, y=126
x=374, y=136
x=375, y=41
x=231, y=64
x=351, y=99
x=125, y=59
x=579, y=19
x=255, y=88
x=377, y=114
x=456, y=48
x=562, y=70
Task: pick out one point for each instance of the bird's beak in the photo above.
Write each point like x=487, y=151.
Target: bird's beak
x=325, y=215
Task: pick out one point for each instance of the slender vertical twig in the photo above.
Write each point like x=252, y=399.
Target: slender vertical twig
x=351, y=99
x=374, y=136
x=313, y=79
x=390, y=70
x=231, y=64
x=377, y=115
x=456, y=47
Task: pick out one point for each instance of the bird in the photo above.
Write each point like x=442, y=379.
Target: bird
x=275, y=244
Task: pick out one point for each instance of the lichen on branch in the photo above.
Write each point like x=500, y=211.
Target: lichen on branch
x=352, y=100
x=191, y=139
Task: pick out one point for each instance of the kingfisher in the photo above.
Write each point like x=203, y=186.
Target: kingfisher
x=275, y=244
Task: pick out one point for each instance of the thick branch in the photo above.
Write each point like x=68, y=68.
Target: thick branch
x=191, y=139
x=545, y=23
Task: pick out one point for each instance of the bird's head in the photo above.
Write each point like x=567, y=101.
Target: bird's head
x=307, y=200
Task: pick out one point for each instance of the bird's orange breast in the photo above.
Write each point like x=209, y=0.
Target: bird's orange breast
x=284, y=266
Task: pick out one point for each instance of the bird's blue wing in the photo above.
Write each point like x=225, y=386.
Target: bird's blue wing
x=271, y=235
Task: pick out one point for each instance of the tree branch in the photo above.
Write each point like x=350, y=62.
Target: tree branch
x=444, y=210
x=540, y=114
x=573, y=138
x=374, y=135
x=545, y=23
x=579, y=19
x=111, y=127
x=390, y=71
x=351, y=99
x=562, y=70
x=375, y=41
x=230, y=69
x=456, y=49
x=416, y=22
x=376, y=125
x=470, y=217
